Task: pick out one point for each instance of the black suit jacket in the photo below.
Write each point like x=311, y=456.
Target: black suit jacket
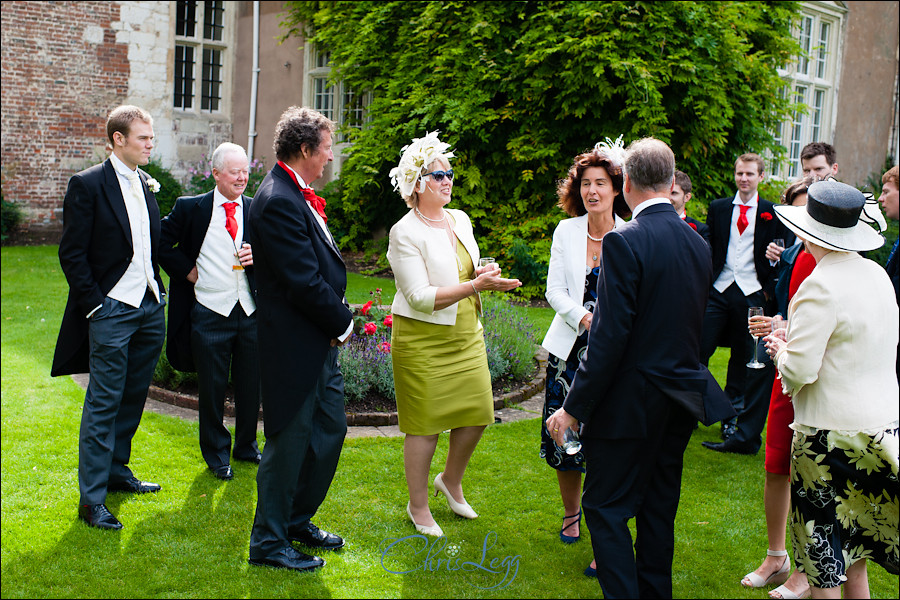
x=181, y=237
x=644, y=343
x=767, y=228
x=300, y=285
x=698, y=226
x=94, y=252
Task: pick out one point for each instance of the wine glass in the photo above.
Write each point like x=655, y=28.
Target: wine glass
x=485, y=261
x=571, y=442
x=755, y=311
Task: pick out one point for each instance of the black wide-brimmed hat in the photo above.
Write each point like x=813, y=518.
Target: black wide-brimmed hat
x=831, y=218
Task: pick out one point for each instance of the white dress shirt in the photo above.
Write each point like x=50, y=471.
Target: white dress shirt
x=739, y=265
x=219, y=286
x=132, y=286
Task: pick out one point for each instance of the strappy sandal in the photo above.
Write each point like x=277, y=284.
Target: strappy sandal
x=568, y=539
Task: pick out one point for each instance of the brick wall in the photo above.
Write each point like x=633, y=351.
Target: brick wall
x=65, y=65
x=62, y=70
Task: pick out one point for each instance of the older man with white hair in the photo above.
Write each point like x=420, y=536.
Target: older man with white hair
x=212, y=320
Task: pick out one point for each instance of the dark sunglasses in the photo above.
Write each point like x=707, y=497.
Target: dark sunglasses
x=439, y=175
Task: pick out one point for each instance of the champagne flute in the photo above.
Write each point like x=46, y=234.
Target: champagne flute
x=755, y=311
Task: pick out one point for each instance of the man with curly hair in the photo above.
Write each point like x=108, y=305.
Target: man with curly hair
x=302, y=317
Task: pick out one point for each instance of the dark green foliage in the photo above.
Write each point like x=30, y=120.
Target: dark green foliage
x=10, y=217
x=520, y=88
x=169, y=190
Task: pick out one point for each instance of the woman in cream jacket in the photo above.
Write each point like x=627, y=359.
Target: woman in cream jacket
x=440, y=365
x=836, y=359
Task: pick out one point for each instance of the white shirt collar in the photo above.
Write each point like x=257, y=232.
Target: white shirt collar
x=302, y=183
x=219, y=199
x=753, y=201
x=120, y=167
x=647, y=203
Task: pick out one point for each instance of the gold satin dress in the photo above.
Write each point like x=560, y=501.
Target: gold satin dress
x=441, y=376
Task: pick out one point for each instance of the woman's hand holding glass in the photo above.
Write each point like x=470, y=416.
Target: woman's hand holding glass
x=778, y=337
x=488, y=279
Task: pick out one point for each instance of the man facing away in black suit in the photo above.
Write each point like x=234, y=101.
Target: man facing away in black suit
x=114, y=323
x=212, y=310
x=680, y=196
x=302, y=317
x=741, y=229
x=640, y=388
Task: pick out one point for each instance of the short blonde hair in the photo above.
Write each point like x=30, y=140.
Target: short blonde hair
x=413, y=199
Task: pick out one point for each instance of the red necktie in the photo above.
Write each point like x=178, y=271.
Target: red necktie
x=308, y=193
x=742, y=221
x=230, y=221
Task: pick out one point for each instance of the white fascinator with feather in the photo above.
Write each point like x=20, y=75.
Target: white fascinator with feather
x=613, y=150
x=406, y=177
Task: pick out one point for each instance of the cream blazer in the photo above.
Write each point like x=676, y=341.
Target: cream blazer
x=839, y=363
x=565, y=284
x=422, y=261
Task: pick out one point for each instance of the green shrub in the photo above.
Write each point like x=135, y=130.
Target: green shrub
x=519, y=88
x=165, y=375
x=10, y=217
x=169, y=190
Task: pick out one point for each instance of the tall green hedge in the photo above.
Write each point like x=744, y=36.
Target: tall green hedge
x=519, y=88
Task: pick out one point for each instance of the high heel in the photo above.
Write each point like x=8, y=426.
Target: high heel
x=461, y=508
x=776, y=578
x=570, y=539
x=434, y=530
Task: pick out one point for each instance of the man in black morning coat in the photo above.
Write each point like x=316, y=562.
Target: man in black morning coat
x=302, y=317
x=114, y=323
x=640, y=388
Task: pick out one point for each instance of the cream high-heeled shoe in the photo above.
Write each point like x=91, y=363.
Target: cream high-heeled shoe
x=461, y=508
x=434, y=530
x=776, y=578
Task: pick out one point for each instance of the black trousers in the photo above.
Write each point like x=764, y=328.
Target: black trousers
x=299, y=463
x=125, y=343
x=641, y=479
x=751, y=418
x=221, y=344
x=725, y=324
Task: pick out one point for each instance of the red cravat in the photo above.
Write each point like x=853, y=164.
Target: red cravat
x=308, y=193
x=742, y=221
x=230, y=221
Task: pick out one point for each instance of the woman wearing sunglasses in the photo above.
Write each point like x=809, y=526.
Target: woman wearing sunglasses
x=440, y=365
x=589, y=193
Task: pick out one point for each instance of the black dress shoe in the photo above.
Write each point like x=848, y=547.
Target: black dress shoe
x=312, y=536
x=133, y=486
x=97, y=515
x=289, y=558
x=224, y=472
x=255, y=458
x=731, y=445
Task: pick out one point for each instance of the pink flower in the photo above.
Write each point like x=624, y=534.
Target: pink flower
x=369, y=328
x=366, y=307
x=385, y=347
x=389, y=321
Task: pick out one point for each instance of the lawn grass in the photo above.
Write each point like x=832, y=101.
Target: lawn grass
x=191, y=539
